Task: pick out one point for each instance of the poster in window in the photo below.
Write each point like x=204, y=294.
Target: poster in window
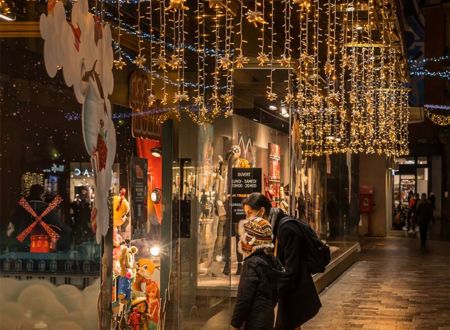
x=274, y=172
x=138, y=184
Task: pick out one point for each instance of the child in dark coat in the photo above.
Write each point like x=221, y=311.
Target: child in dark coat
x=257, y=292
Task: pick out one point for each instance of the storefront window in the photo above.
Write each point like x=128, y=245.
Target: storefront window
x=173, y=240
x=208, y=190
x=422, y=160
x=45, y=170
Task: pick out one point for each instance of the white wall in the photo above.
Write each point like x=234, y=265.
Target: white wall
x=373, y=172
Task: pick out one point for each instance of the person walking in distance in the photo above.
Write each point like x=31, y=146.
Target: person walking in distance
x=298, y=300
x=258, y=286
x=424, y=215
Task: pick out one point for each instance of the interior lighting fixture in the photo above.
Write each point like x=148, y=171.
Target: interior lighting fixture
x=155, y=195
x=156, y=152
x=155, y=250
x=273, y=107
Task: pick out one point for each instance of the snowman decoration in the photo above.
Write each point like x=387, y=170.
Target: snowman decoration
x=82, y=48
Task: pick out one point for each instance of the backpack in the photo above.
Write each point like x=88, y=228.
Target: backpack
x=319, y=254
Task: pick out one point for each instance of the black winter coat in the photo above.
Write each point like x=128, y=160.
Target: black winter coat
x=424, y=212
x=298, y=299
x=257, y=293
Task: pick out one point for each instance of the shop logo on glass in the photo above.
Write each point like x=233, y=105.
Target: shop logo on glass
x=54, y=169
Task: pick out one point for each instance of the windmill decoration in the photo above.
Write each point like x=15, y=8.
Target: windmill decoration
x=42, y=242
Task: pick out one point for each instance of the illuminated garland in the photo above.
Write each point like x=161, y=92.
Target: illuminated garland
x=131, y=30
x=345, y=84
x=119, y=64
x=441, y=120
x=426, y=73
x=437, y=107
x=430, y=59
x=350, y=82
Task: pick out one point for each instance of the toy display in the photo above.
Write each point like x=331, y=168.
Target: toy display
x=121, y=209
x=134, y=321
x=145, y=269
x=136, y=303
x=153, y=304
x=127, y=274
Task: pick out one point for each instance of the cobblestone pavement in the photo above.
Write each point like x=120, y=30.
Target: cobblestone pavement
x=395, y=285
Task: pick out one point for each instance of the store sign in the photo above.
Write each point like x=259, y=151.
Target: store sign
x=144, y=120
x=83, y=172
x=246, y=181
x=54, y=169
x=139, y=197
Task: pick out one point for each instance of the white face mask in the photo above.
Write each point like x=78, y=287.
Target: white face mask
x=258, y=214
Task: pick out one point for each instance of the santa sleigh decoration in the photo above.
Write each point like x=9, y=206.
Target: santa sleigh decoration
x=40, y=242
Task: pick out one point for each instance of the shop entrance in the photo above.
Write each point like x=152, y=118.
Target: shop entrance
x=412, y=177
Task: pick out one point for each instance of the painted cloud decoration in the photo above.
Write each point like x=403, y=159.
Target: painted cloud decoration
x=38, y=304
x=82, y=49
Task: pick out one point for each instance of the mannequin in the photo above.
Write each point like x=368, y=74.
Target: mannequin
x=218, y=213
x=234, y=160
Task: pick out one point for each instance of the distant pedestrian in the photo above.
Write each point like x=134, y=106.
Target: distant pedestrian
x=413, y=213
x=258, y=285
x=432, y=199
x=424, y=215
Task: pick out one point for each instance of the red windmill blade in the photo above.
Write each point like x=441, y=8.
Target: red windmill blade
x=38, y=219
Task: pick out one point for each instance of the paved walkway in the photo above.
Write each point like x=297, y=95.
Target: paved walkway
x=395, y=285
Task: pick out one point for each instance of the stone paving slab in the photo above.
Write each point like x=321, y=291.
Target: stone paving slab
x=395, y=285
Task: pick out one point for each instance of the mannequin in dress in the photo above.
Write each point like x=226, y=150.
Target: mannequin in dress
x=234, y=160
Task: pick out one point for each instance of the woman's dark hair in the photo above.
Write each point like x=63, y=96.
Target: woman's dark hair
x=256, y=201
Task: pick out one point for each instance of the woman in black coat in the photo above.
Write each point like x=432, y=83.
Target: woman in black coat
x=298, y=300
x=258, y=286
x=257, y=292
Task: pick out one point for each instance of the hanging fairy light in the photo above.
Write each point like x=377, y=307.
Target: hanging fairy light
x=286, y=59
x=140, y=58
x=151, y=98
x=119, y=63
x=162, y=58
x=351, y=93
x=441, y=120
x=270, y=94
x=216, y=70
x=241, y=59
x=344, y=82
x=227, y=98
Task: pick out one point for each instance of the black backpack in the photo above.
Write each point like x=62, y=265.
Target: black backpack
x=318, y=255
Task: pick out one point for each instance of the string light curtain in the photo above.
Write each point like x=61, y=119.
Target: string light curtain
x=345, y=67
x=351, y=79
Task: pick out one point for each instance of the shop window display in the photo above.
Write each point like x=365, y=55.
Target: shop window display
x=326, y=194
x=49, y=190
x=230, y=159
x=51, y=182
